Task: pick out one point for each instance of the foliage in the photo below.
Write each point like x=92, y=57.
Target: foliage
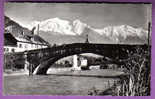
x=14, y=61
x=137, y=83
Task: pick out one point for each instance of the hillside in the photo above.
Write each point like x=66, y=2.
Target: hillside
x=15, y=28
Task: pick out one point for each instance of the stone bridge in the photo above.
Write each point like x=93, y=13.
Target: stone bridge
x=42, y=59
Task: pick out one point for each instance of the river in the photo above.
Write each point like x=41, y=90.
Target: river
x=61, y=83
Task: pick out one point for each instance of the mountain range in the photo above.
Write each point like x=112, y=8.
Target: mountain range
x=60, y=31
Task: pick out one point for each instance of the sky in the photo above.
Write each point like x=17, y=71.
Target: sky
x=96, y=15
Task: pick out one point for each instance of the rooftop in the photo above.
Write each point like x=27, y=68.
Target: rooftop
x=9, y=40
x=9, y=37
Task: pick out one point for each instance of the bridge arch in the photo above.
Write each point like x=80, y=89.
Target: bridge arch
x=43, y=67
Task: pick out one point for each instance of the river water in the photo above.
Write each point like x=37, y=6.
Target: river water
x=61, y=83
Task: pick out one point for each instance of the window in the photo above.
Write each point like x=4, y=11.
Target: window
x=13, y=50
x=31, y=45
x=25, y=45
x=20, y=45
x=7, y=49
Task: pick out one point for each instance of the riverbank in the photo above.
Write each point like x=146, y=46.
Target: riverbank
x=54, y=70
x=67, y=71
x=10, y=72
x=100, y=73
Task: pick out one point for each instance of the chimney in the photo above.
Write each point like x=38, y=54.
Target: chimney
x=38, y=30
x=32, y=31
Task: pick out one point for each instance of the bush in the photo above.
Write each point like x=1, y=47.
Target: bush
x=137, y=83
x=14, y=61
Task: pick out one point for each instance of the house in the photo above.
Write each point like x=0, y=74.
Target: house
x=23, y=42
x=83, y=61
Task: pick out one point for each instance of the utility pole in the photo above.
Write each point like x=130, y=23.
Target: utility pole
x=38, y=35
x=149, y=27
x=38, y=30
x=149, y=51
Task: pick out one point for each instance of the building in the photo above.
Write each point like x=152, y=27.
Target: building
x=83, y=61
x=23, y=43
x=79, y=62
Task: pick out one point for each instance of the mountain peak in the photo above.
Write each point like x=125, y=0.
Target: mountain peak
x=60, y=26
x=122, y=32
x=78, y=26
x=56, y=25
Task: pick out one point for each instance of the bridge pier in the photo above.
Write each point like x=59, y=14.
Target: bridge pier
x=28, y=67
x=76, y=63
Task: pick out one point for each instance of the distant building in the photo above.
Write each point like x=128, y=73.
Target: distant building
x=22, y=43
x=79, y=62
x=83, y=61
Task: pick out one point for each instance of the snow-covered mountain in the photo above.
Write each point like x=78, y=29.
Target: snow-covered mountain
x=60, y=26
x=122, y=32
x=79, y=27
x=57, y=26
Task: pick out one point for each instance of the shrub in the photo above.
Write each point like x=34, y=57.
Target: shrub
x=137, y=83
